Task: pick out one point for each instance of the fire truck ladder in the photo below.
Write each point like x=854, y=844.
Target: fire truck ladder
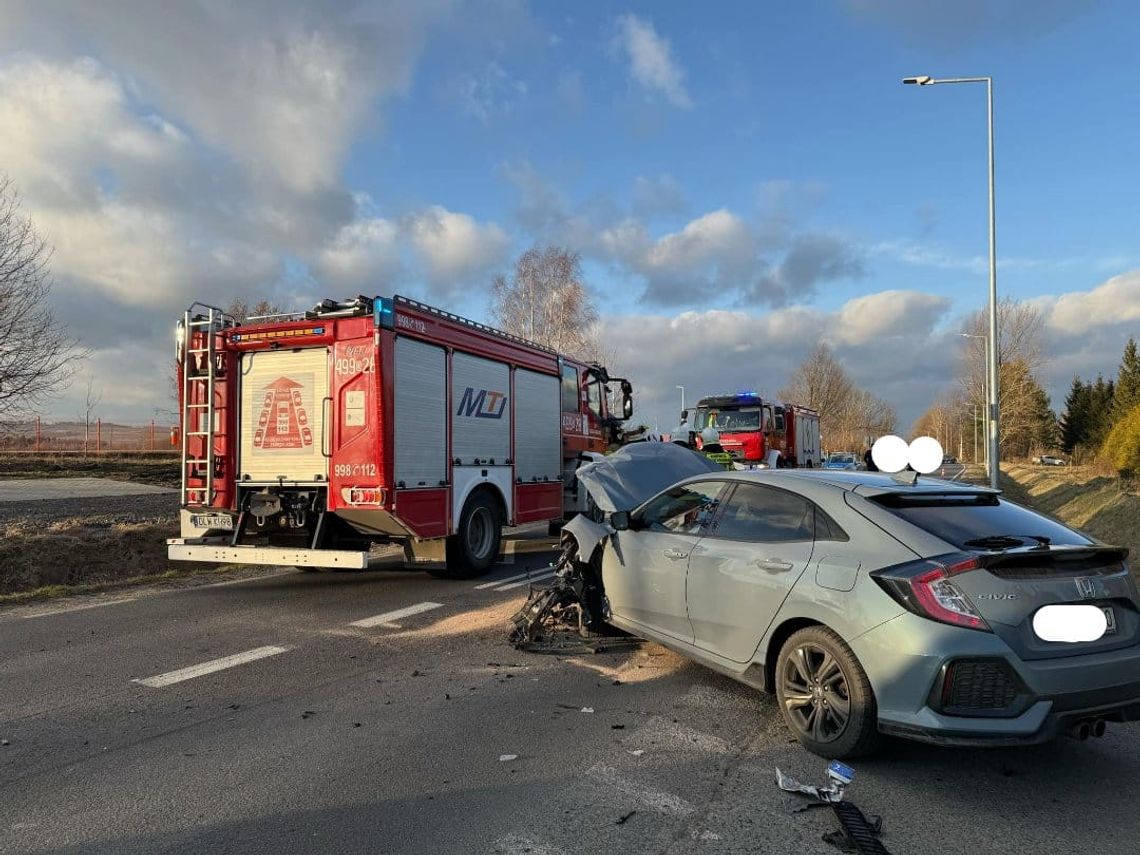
x=201, y=326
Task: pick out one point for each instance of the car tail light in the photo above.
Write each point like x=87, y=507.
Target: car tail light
x=926, y=588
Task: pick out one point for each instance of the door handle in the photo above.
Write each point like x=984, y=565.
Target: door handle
x=774, y=565
x=675, y=554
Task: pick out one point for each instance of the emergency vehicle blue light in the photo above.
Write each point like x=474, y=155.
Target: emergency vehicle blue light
x=748, y=394
x=385, y=311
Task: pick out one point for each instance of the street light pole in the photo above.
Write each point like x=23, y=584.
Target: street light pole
x=682, y=388
x=985, y=396
x=992, y=398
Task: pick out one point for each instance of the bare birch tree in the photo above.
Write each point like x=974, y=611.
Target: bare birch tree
x=37, y=356
x=545, y=300
x=849, y=416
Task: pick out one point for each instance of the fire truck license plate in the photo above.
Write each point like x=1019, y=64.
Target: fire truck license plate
x=212, y=521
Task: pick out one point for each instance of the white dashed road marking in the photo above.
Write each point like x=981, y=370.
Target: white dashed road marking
x=530, y=574
x=654, y=800
x=210, y=667
x=388, y=619
x=535, y=577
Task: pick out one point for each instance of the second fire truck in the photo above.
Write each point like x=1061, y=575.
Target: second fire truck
x=752, y=429
x=307, y=439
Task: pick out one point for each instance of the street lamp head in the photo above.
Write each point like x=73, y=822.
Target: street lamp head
x=924, y=80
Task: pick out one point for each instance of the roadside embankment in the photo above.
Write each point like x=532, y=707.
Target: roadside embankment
x=1104, y=506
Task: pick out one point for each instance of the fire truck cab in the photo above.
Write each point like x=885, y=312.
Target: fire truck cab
x=756, y=431
x=307, y=439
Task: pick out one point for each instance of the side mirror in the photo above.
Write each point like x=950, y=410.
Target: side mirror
x=620, y=520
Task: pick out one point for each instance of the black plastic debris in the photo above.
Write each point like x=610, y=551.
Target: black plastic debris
x=858, y=834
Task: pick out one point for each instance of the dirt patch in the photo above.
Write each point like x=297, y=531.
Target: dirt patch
x=1104, y=506
x=160, y=470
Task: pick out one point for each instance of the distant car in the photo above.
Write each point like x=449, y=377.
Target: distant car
x=843, y=460
x=870, y=606
x=1050, y=460
x=949, y=458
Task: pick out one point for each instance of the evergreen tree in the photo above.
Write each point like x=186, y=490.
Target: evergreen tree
x=1100, y=410
x=1127, y=393
x=1075, y=421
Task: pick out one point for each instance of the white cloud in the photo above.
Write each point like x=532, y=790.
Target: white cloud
x=453, y=248
x=1116, y=301
x=488, y=93
x=905, y=357
x=651, y=61
x=445, y=250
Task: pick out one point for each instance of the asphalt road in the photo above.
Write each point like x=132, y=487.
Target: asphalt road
x=388, y=737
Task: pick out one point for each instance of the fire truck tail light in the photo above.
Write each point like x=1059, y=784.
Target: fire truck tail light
x=362, y=495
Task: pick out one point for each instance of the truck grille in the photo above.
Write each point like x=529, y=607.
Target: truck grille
x=973, y=686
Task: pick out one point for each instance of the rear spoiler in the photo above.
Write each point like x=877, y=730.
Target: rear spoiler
x=1081, y=555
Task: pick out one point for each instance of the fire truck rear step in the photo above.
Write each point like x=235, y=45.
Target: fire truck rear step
x=220, y=551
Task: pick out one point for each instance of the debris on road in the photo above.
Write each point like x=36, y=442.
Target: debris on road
x=637, y=752
x=587, y=709
x=858, y=834
x=507, y=758
x=624, y=818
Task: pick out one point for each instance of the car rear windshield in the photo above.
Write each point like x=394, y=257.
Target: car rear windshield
x=969, y=521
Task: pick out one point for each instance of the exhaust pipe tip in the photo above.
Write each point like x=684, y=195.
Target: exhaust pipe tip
x=1098, y=728
x=1080, y=731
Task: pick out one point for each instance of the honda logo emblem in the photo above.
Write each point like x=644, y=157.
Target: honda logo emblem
x=1085, y=588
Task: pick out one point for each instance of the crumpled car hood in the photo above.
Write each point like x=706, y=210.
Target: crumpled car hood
x=634, y=473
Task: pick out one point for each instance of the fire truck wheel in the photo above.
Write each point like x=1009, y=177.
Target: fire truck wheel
x=475, y=547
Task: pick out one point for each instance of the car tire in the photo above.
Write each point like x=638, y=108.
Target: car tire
x=474, y=549
x=817, y=677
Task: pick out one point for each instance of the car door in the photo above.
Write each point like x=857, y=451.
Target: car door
x=644, y=569
x=743, y=569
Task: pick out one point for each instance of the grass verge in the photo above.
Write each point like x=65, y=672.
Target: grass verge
x=1102, y=505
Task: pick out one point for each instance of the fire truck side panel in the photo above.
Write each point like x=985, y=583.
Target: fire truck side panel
x=423, y=511
x=356, y=469
x=420, y=380
x=282, y=416
x=482, y=409
x=538, y=452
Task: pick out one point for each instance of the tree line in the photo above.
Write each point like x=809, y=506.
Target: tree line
x=1029, y=425
x=1102, y=417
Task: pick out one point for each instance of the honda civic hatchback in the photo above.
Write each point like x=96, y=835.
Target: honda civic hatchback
x=873, y=605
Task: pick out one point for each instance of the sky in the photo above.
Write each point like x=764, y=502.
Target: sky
x=742, y=180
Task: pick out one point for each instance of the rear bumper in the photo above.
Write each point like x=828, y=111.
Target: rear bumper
x=957, y=733
x=202, y=549
x=904, y=659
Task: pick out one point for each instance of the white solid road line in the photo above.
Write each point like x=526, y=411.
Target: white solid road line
x=389, y=618
x=534, y=577
x=48, y=612
x=204, y=668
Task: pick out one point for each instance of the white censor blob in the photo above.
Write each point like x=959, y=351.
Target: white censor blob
x=1070, y=623
x=890, y=453
x=925, y=454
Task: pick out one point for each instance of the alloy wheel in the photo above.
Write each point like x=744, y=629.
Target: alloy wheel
x=814, y=691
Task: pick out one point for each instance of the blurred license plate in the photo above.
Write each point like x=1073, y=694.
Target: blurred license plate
x=212, y=521
x=1110, y=616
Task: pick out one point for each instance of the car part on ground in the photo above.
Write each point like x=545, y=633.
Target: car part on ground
x=858, y=834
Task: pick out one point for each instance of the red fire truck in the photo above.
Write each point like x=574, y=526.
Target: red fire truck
x=308, y=438
x=751, y=428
